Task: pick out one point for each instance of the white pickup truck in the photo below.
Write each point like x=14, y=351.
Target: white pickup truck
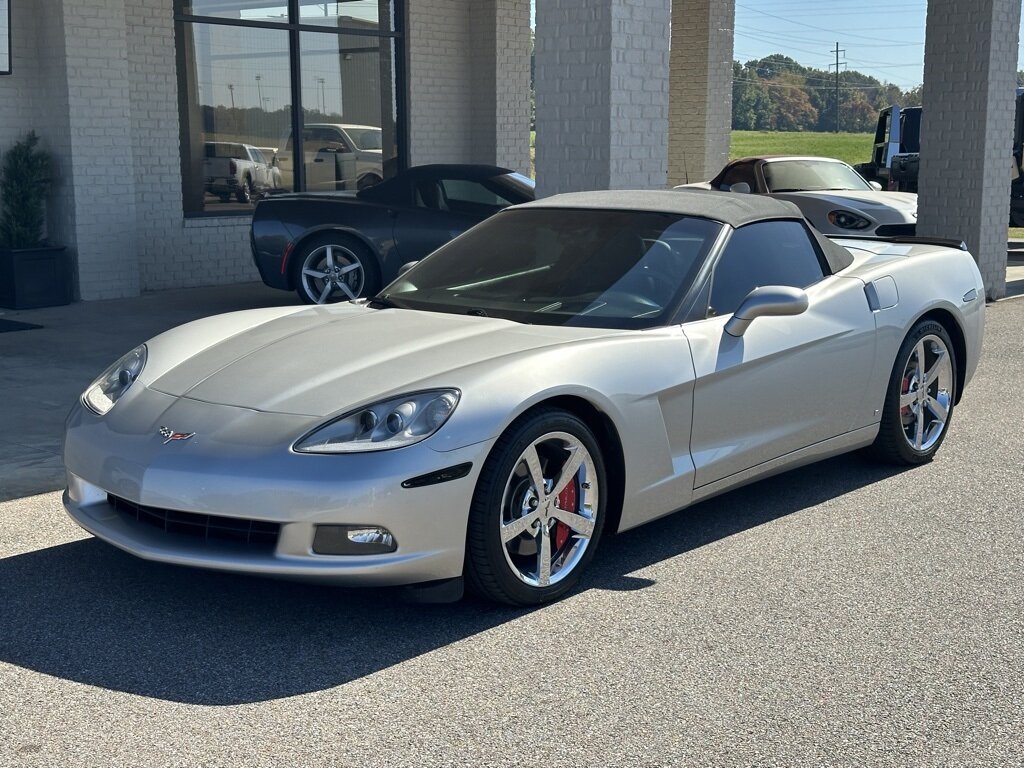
x=238, y=170
x=338, y=156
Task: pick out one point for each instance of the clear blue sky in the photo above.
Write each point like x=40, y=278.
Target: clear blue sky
x=882, y=38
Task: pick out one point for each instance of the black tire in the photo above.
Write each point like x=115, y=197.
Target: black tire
x=346, y=250
x=893, y=443
x=244, y=193
x=367, y=181
x=489, y=563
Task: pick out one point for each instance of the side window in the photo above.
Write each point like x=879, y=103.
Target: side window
x=766, y=253
x=463, y=190
x=742, y=172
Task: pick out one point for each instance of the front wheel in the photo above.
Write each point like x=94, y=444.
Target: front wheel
x=919, y=402
x=538, y=510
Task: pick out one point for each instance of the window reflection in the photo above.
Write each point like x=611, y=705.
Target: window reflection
x=348, y=139
x=5, y=37
x=238, y=108
x=239, y=104
x=342, y=13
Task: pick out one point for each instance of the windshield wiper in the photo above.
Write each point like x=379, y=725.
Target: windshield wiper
x=382, y=302
x=476, y=312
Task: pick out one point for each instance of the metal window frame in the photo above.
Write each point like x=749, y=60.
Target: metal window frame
x=10, y=45
x=295, y=30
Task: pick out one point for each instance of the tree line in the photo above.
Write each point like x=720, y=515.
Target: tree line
x=777, y=93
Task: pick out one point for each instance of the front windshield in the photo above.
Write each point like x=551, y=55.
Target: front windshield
x=811, y=176
x=589, y=268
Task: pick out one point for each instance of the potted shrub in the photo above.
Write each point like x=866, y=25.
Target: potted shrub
x=33, y=273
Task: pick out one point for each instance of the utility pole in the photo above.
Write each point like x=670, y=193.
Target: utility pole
x=231, y=90
x=836, y=65
x=259, y=89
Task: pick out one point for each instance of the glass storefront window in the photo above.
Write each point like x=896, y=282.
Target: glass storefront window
x=249, y=10
x=342, y=14
x=239, y=104
x=348, y=131
x=350, y=14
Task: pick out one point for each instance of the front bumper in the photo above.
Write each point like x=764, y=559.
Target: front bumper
x=259, y=478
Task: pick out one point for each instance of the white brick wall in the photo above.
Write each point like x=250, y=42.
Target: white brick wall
x=967, y=128
x=440, y=82
x=700, y=112
x=602, y=94
x=469, y=65
x=96, y=56
x=174, y=252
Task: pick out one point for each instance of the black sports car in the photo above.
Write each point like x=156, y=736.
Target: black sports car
x=337, y=246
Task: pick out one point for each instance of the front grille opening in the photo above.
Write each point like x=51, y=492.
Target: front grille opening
x=253, y=533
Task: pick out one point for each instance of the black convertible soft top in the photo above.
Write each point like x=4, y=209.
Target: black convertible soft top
x=730, y=208
x=401, y=181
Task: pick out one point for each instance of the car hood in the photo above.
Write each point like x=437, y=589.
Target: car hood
x=869, y=202
x=328, y=359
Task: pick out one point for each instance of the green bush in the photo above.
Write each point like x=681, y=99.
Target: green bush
x=24, y=185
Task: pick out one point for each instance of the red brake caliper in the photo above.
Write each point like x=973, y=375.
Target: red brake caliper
x=905, y=410
x=566, y=501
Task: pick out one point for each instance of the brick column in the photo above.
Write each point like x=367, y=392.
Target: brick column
x=700, y=89
x=601, y=83
x=970, y=65
x=102, y=171
x=500, y=82
x=469, y=89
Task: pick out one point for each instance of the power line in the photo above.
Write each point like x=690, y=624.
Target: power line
x=822, y=29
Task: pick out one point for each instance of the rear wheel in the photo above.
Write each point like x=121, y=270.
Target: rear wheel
x=919, y=403
x=538, y=510
x=245, y=192
x=334, y=268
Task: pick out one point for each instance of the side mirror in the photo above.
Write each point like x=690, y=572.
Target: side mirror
x=875, y=186
x=766, y=301
x=741, y=187
x=406, y=267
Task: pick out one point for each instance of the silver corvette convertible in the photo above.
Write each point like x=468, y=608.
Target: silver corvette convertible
x=567, y=369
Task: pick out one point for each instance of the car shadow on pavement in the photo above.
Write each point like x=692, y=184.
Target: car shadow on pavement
x=87, y=612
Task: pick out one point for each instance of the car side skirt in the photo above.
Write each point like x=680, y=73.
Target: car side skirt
x=851, y=441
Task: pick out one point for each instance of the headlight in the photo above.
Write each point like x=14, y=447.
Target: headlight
x=393, y=423
x=103, y=393
x=847, y=220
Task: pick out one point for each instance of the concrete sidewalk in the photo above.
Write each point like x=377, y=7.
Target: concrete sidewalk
x=43, y=371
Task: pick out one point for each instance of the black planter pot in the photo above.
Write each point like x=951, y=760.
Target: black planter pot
x=35, y=277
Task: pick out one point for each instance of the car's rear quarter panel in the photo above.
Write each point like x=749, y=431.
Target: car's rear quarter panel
x=929, y=279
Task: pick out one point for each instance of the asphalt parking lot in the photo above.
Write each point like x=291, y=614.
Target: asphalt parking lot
x=842, y=614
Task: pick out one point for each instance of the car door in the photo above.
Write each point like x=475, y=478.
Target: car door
x=788, y=382
x=433, y=218
x=330, y=160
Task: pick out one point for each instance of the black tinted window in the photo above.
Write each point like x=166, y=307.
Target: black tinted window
x=769, y=253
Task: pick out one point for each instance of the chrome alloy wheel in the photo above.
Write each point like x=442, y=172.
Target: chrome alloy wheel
x=549, y=509
x=926, y=393
x=332, y=273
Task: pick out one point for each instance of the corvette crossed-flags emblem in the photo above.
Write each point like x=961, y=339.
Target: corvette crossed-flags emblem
x=171, y=435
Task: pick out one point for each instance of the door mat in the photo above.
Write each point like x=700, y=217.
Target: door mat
x=7, y=326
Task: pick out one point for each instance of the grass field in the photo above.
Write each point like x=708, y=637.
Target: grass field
x=852, y=148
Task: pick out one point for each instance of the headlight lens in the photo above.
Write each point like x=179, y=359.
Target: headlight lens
x=393, y=423
x=847, y=220
x=103, y=393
